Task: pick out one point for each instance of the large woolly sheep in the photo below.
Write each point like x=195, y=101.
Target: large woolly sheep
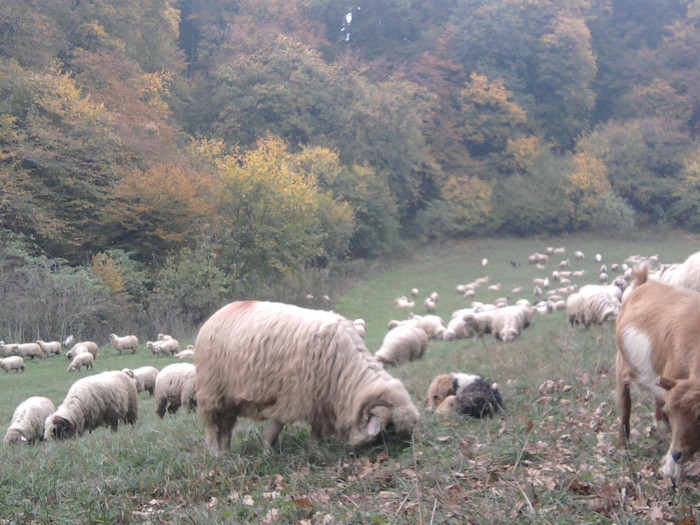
x=50, y=348
x=575, y=304
x=100, y=400
x=176, y=386
x=83, y=346
x=125, y=342
x=404, y=343
x=14, y=362
x=278, y=362
x=83, y=359
x=509, y=322
x=145, y=378
x=27, y=425
x=466, y=394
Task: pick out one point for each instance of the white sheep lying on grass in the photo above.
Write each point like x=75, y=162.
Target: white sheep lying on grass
x=404, y=343
x=100, y=400
x=176, y=385
x=14, y=362
x=126, y=342
x=27, y=425
x=83, y=359
x=185, y=354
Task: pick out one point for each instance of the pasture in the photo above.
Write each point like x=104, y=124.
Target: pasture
x=550, y=457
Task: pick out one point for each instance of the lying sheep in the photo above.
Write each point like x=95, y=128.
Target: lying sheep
x=83, y=346
x=466, y=394
x=185, y=354
x=13, y=362
x=27, y=425
x=433, y=325
x=145, y=378
x=404, y=302
x=176, y=386
x=310, y=366
x=83, y=359
x=50, y=348
x=402, y=344
x=124, y=343
x=100, y=400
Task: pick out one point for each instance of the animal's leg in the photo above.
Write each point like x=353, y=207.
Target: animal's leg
x=271, y=433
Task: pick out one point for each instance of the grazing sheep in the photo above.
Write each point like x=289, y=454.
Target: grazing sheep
x=579, y=254
x=13, y=362
x=99, y=400
x=484, y=262
x=466, y=394
x=574, y=308
x=430, y=305
x=30, y=350
x=538, y=258
x=124, y=343
x=480, y=322
x=6, y=350
x=83, y=359
x=166, y=346
x=144, y=376
x=456, y=329
x=279, y=362
x=83, y=346
x=404, y=302
x=434, y=296
x=598, y=258
x=176, y=386
x=402, y=344
x=27, y=425
x=432, y=324
x=685, y=275
x=509, y=322
x=50, y=348
x=414, y=292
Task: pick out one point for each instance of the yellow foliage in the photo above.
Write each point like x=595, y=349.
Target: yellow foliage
x=525, y=150
x=586, y=184
x=108, y=272
x=469, y=199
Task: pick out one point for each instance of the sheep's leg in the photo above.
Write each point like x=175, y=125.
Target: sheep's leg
x=271, y=433
x=663, y=424
x=161, y=405
x=218, y=434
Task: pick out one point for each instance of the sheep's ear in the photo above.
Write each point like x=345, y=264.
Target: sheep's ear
x=665, y=383
x=374, y=426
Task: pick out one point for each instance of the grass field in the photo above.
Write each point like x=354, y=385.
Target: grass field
x=551, y=457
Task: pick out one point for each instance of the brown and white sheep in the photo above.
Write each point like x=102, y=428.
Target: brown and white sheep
x=126, y=342
x=467, y=394
x=27, y=425
x=658, y=339
x=175, y=386
x=278, y=362
x=100, y=400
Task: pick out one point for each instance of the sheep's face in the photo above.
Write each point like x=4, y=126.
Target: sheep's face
x=13, y=437
x=60, y=428
x=393, y=412
x=683, y=410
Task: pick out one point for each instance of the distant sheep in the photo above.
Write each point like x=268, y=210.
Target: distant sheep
x=404, y=302
x=309, y=366
x=30, y=350
x=126, y=342
x=145, y=378
x=13, y=362
x=685, y=275
x=165, y=347
x=50, y=348
x=432, y=324
x=83, y=346
x=83, y=359
x=27, y=425
x=176, y=386
x=185, y=354
x=99, y=400
x=402, y=344
x=480, y=322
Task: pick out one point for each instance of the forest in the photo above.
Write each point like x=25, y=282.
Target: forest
x=159, y=158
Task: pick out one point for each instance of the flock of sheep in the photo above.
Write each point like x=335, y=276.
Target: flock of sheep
x=284, y=364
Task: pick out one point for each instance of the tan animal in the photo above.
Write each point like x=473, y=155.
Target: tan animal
x=658, y=339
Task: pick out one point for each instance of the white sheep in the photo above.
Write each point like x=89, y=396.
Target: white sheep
x=574, y=308
x=176, y=386
x=282, y=363
x=433, y=325
x=83, y=359
x=430, y=305
x=50, y=347
x=401, y=344
x=30, y=350
x=579, y=254
x=414, y=292
x=13, y=362
x=480, y=322
x=83, y=346
x=185, y=354
x=145, y=378
x=404, y=302
x=99, y=400
x=166, y=346
x=27, y=425
x=125, y=342
x=509, y=322
x=456, y=329
x=685, y=275
x=7, y=349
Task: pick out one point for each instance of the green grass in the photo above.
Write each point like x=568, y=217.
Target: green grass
x=551, y=457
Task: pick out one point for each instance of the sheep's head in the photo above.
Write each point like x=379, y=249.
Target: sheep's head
x=112, y=337
x=441, y=387
x=683, y=410
x=14, y=437
x=58, y=427
x=392, y=411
